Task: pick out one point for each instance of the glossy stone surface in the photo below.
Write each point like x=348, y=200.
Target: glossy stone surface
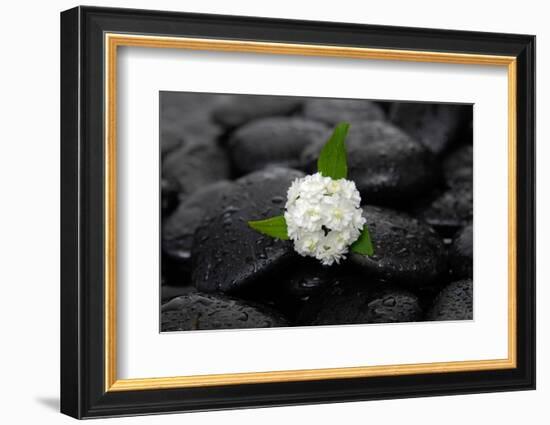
x=452, y=209
x=227, y=254
x=179, y=228
x=387, y=166
x=406, y=250
x=360, y=301
x=307, y=277
x=461, y=254
x=196, y=311
x=435, y=125
x=454, y=302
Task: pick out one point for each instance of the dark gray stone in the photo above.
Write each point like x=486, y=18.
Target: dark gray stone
x=240, y=109
x=179, y=228
x=387, y=166
x=454, y=302
x=227, y=254
x=435, y=125
x=406, y=250
x=273, y=141
x=307, y=278
x=185, y=119
x=195, y=166
x=461, y=254
x=171, y=138
x=360, y=302
x=176, y=134
x=452, y=209
x=196, y=311
x=458, y=166
x=334, y=111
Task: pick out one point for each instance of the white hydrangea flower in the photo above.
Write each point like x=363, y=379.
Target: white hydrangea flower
x=323, y=217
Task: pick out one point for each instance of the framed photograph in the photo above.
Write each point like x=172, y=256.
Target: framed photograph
x=261, y=212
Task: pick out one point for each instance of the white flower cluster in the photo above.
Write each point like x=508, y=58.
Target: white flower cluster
x=323, y=217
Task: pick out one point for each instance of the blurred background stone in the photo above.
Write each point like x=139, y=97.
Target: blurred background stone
x=273, y=141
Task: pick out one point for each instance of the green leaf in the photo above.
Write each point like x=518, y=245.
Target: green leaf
x=363, y=245
x=274, y=227
x=332, y=161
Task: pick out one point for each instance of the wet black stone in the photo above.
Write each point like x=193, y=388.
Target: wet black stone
x=239, y=110
x=227, y=254
x=308, y=277
x=275, y=141
x=452, y=209
x=454, y=302
x=458, y=166
x=388, y=167
x=426, y=295
x=196, y=311
x=437, y=126
x=195, y=166
x=169, y=196
x=179, y=228
x=334, y=111
x=461, y=254
x=291, y=286
x=406, y=250
x=360, y=302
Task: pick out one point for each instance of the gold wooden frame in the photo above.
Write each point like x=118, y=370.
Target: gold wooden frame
x=113, y=41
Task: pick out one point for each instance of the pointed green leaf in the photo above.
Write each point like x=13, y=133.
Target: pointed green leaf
x=274, y=227
x=363, y=245
x=332, y=161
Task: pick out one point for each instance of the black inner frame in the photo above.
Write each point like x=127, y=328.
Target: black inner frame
x=82, y=206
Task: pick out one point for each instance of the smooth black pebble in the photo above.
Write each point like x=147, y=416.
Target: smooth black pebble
x=227, y=254
x=451, y=210
x=196, y=311
x=406, y=250
x=334, y=111
x=437, y=126
x=239, y=110
x=461, y=254
x=185, y=119
x=196, y=166
x=357, y=301
x=273, y=141
x=387, y=166
x=458, y=166
x=307, y=277
x=179, y=228
x=454, y=302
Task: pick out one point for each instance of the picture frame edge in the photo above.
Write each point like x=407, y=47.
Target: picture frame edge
x=83, y=393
